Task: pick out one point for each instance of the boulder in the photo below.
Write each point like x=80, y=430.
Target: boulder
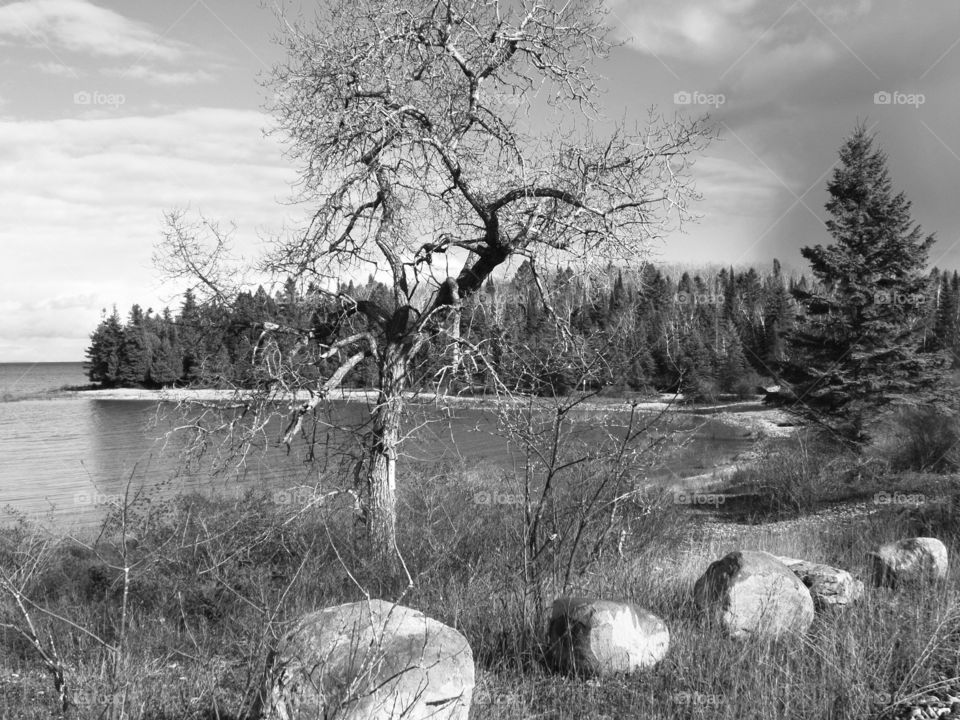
x=600, y=637
x=909, y=560
x=371, y=661
x=830, y=587
x=754, y=594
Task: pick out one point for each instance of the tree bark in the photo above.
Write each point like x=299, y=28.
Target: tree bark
x=379, y=496
x=456, y=359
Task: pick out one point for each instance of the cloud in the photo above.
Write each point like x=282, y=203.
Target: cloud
x=840, y=13
x=156, y=76
x=683, y=30
x=81, y=26
x=84, y=202
x=57, y=69
x=729, y=185
x=53, y=317
x=733, y=32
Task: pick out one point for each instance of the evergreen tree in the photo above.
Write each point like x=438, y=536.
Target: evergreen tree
x=103, y=356
x=779, y=316
x=135, y=352
x=946, y=332
x=855, y=352
x=190, y=334
x=732, y=366
x=166, y=366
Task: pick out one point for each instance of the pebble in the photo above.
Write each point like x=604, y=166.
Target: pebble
x=930, y=707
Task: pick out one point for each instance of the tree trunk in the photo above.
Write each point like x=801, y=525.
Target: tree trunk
x=379, y=497
x=456, y=358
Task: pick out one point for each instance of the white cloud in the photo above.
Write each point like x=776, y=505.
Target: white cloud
x=57, y=69
x=84, y=201
x=53, y=328
x=840, y=13
x=156, y=76
x=684, y=30
x=735, y=188
x=81, y=26
x=732, y=31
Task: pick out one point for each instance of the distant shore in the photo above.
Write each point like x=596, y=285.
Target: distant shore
x=751, y=416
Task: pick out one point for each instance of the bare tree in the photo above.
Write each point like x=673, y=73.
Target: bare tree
x=438, y=140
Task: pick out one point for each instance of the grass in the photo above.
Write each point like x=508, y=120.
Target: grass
x=214, y=583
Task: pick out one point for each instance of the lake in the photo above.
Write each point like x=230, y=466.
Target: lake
x=63, y=454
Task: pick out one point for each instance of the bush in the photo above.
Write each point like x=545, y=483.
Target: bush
x=800, y=474
x=701, y=389
x=746, y=387
x=924, y=439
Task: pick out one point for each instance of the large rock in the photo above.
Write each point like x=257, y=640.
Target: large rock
x=830, y=587
x=910, y=560
x=601, y=637
x=754, y=594
x=369, y=661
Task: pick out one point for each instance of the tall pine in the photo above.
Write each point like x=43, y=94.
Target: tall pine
x=855, y=350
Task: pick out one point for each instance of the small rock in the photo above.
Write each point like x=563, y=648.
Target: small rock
x=829, y=586
x=912, y=559
x=601, y=637
x=754, y=594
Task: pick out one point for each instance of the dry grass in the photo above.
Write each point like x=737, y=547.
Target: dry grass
x=214, y=583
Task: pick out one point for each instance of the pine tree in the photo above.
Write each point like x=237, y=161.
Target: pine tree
x=135, y=352
x=945, y=330
x=732, y=366
x=191, y=336
x=103, y=356
x=166, y=366
x=779, y=317
x=855, y=348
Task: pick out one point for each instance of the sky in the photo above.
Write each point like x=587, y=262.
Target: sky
x=113, y=113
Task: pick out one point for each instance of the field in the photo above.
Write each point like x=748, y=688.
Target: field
x=213, y=583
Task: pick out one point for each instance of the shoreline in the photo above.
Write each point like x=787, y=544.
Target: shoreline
x=751, y=416
x=741, y=422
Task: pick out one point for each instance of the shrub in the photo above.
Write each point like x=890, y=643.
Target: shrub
x=745, y=387
x=701, y=389
x=924, y=439
x=798, y=475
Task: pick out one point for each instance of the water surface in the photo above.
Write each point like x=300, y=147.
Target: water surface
x=65, y=454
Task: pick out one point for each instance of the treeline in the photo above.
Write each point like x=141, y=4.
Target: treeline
x=703, y=334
